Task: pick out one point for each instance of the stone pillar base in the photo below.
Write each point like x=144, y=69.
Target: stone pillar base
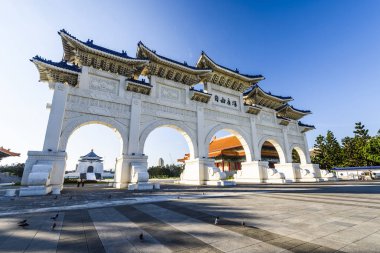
x=258, y=172
x=119, y=185
x=44, y=172
x=140, y=186
x=132, y=173
x=275, y=181
x=221, y=183
x=252, y=172
x=291, y=171
x=202, y=171
x=190, y=182
x=35, y=190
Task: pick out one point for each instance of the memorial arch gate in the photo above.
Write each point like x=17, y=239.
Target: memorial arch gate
x=97, y=85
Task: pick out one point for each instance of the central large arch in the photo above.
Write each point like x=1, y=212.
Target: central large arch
x=187, y=133
x=239, y=133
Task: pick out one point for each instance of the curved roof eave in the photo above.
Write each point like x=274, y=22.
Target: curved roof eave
x=72, y=69
x=142, y=46
x=249, y=78
x=100, y=50
x=278, y=98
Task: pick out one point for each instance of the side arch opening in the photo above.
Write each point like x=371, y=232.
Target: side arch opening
x=298, y=155
x=271, y=151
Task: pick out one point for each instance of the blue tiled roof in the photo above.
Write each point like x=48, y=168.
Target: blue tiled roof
x=139, y=82
x=279, y=117
x=91, y=44
x=200, y=91
x=246, y=92
x=61, y=64
x=303, y=111
x=91, y=155
x=298, y=110
x=305, y=125
x=235, y=71
x=170, y=60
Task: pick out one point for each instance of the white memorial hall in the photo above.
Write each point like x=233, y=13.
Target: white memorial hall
x=134, y=96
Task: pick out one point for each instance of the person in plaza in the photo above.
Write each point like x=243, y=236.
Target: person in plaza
x=216, y=220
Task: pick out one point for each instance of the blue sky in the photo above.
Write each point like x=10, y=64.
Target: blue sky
x=325, y=54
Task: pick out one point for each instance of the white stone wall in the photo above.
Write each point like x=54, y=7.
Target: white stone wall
x=83, y=167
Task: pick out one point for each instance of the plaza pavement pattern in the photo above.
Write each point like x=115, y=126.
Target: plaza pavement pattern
x=287, y=218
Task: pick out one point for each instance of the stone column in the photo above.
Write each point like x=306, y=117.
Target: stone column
x=134, y=126
x=287, y=153
x=84, y=78
x=307, y=153
x=202, y=150
x=132, y=167
x=57, y=111
x=44, y=170
x=194, y=172
x=121, y=85
x=241, y=100
x=255, y=144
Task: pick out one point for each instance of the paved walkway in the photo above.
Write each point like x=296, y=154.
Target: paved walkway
x=284, y=218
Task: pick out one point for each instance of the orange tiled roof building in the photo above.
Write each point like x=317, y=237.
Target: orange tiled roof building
x=6, y=153
x=229, y=153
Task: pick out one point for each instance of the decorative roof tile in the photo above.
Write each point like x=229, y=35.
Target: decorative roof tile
x=184, y=64
x=256, y=86
x=61, y=64
x=139, y=82
x=7, y=152
x=305, y=125
x=90, y=43
x=236, y=71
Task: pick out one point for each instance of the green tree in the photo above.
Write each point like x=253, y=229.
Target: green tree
x=165, y=171
x=372, y=151
x=13, y=169
x=360, y=131
x=328, y=151
x=354, y=149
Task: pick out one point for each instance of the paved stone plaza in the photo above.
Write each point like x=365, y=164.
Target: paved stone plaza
x=336, y=217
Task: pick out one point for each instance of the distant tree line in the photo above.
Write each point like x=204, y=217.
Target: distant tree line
x=359, y=150
x=166, y=171
x=13, y=169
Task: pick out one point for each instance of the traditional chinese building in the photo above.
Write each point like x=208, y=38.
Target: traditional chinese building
x=90, y=166
x=228, y=153
x=7, y=153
